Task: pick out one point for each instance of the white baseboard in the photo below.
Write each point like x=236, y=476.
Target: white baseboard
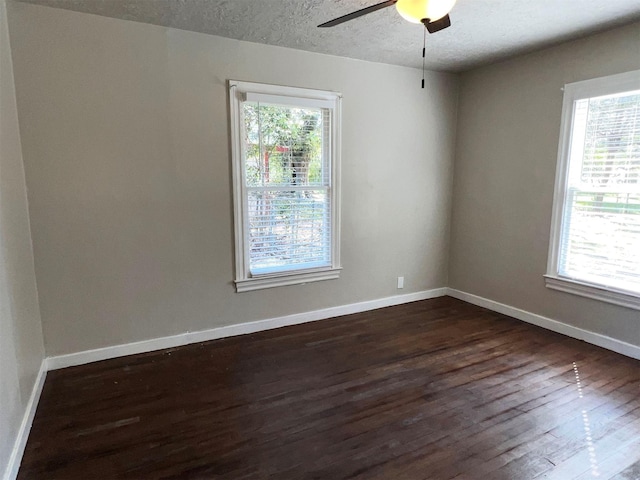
x=11, y=471
x=88, y=356
x=594, y=338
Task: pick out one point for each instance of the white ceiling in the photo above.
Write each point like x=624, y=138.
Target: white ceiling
x=482, y=31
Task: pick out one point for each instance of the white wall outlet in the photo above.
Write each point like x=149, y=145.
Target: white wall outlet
x=400, y=282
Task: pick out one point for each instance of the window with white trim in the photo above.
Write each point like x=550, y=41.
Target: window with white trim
x=286, y=158
x=595, y=235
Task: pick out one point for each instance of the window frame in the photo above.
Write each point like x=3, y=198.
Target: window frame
x=610, y=85
x=244, y=280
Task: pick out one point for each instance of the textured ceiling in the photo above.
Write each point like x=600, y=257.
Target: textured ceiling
x=483, y=30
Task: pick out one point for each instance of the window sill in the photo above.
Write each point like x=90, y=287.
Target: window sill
x=281, y=280
x=616, y=297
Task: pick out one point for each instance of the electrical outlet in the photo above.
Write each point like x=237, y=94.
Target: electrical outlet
x=400, y=282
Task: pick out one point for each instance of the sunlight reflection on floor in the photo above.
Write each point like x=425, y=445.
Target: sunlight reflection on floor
x=587, y=428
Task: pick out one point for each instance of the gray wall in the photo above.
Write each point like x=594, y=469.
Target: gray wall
x=506, y=151
x=126, y=151
x=21, y=349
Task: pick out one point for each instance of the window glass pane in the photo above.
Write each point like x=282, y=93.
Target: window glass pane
x=602, y=242
x=285, y=145
x=289, y=229
x=611, y=153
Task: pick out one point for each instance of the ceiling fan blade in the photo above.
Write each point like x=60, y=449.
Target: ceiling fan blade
x=358, y=13
x=437, y=25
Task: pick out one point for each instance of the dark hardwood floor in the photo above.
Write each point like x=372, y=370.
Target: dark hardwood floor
x=437, y=389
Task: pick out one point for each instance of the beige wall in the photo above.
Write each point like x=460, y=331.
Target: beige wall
x=125, y=137
x=126, y=150
x=508, y=129
x=21, y=349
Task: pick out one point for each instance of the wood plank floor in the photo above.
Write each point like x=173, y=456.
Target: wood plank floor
x=437, y=389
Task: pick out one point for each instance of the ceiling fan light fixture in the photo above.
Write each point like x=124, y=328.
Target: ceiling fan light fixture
x=416, y=10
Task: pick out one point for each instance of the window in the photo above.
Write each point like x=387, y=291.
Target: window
x=285, y=151
x=595, y=235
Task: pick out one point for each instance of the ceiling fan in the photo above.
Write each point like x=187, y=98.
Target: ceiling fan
x=433, y=14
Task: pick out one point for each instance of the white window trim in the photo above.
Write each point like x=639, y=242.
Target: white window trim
x=238, y=92
x=572, y=92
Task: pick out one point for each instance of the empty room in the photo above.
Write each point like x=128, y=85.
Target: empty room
x=319, y=239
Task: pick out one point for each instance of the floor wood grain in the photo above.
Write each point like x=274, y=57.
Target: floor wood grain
x=437, y=389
